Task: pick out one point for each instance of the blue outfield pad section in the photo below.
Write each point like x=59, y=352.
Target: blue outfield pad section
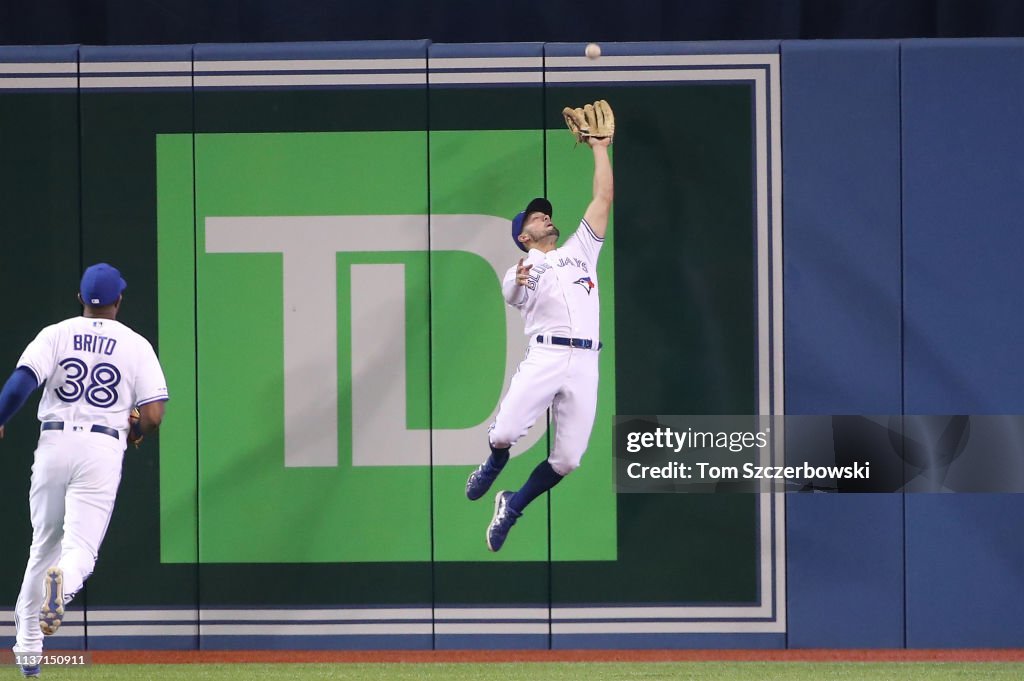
x=38, y=54
x=840, y=114
x=841, y=205
x=136, y=53
x=485, y=50
x=963, y=103
x=965, y=570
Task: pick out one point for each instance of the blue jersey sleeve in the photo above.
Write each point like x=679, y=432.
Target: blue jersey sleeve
x=17, y=389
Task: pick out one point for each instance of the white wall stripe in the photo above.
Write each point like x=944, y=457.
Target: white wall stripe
x=650, y=76
x=397, y=628
x=483, y=78
x=778, y=365
x=415, y=71
x=663, y=612
x=670, y=628
x=492, y=628
x=66, y=631
x=38, y=83
x=285, y=617
x=101, y=616
x=311, y=65
x=92, y=82
x=665, y=60
x=314, y=615
x=136, y=67
x=491, y=613
x=39, y=67
x=486, y=63
x=266, y=80
x=313, y=629
x=101, y=630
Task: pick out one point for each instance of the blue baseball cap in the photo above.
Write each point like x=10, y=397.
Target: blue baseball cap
x=101, y=285
x=538, y=205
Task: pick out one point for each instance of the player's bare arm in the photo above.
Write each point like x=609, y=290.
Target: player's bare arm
x=604, y=187
x=150, y=416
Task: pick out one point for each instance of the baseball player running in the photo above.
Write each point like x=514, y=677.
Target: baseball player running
x=556, y=289
x=94, y=372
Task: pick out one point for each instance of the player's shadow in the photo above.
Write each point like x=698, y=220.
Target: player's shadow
x=907, y=453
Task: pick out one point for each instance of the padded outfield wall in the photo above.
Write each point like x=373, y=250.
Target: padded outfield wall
x=313, y=236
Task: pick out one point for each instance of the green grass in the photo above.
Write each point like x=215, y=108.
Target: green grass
x=544, y=671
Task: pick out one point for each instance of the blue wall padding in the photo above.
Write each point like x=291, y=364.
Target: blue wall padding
x=963, y=201
x=840, y=112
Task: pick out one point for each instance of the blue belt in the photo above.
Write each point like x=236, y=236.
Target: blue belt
x=579, y=343
x=59, y=425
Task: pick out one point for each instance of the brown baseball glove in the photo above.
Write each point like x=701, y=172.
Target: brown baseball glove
x=134, y=429
x=593, y=120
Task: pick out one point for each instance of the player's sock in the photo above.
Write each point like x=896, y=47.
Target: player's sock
x=498, y=458
x=541, y=480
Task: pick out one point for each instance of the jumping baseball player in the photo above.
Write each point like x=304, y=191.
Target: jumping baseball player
x=556, y=289
x=94, y=372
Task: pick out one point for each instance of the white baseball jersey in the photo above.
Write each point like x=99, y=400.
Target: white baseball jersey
x=560, y=297
x=95, y=371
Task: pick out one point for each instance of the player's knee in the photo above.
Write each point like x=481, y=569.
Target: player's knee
x=563, y=467
x=503, y=437
x=499, y=442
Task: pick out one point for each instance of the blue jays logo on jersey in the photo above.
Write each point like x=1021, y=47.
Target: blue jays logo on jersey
x=585, y=283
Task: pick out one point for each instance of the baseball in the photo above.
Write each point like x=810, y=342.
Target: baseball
x=593, y=51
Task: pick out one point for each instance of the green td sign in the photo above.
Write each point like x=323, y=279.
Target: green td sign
x=336, y=343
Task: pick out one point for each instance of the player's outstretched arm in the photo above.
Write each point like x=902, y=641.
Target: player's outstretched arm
x=604, y=188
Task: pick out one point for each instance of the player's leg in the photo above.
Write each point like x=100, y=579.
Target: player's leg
x=572, y=431
x=529, y=393
x=573, y=415
x=46, y=509
x=90, y=503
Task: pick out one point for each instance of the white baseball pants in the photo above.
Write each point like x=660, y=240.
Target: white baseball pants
x=74, y=483
x=559, y=377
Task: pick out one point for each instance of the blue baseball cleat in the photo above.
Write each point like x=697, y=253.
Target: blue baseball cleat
x=30, y=671
x=52, y=612
x=503, y=520
x=481, y=480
